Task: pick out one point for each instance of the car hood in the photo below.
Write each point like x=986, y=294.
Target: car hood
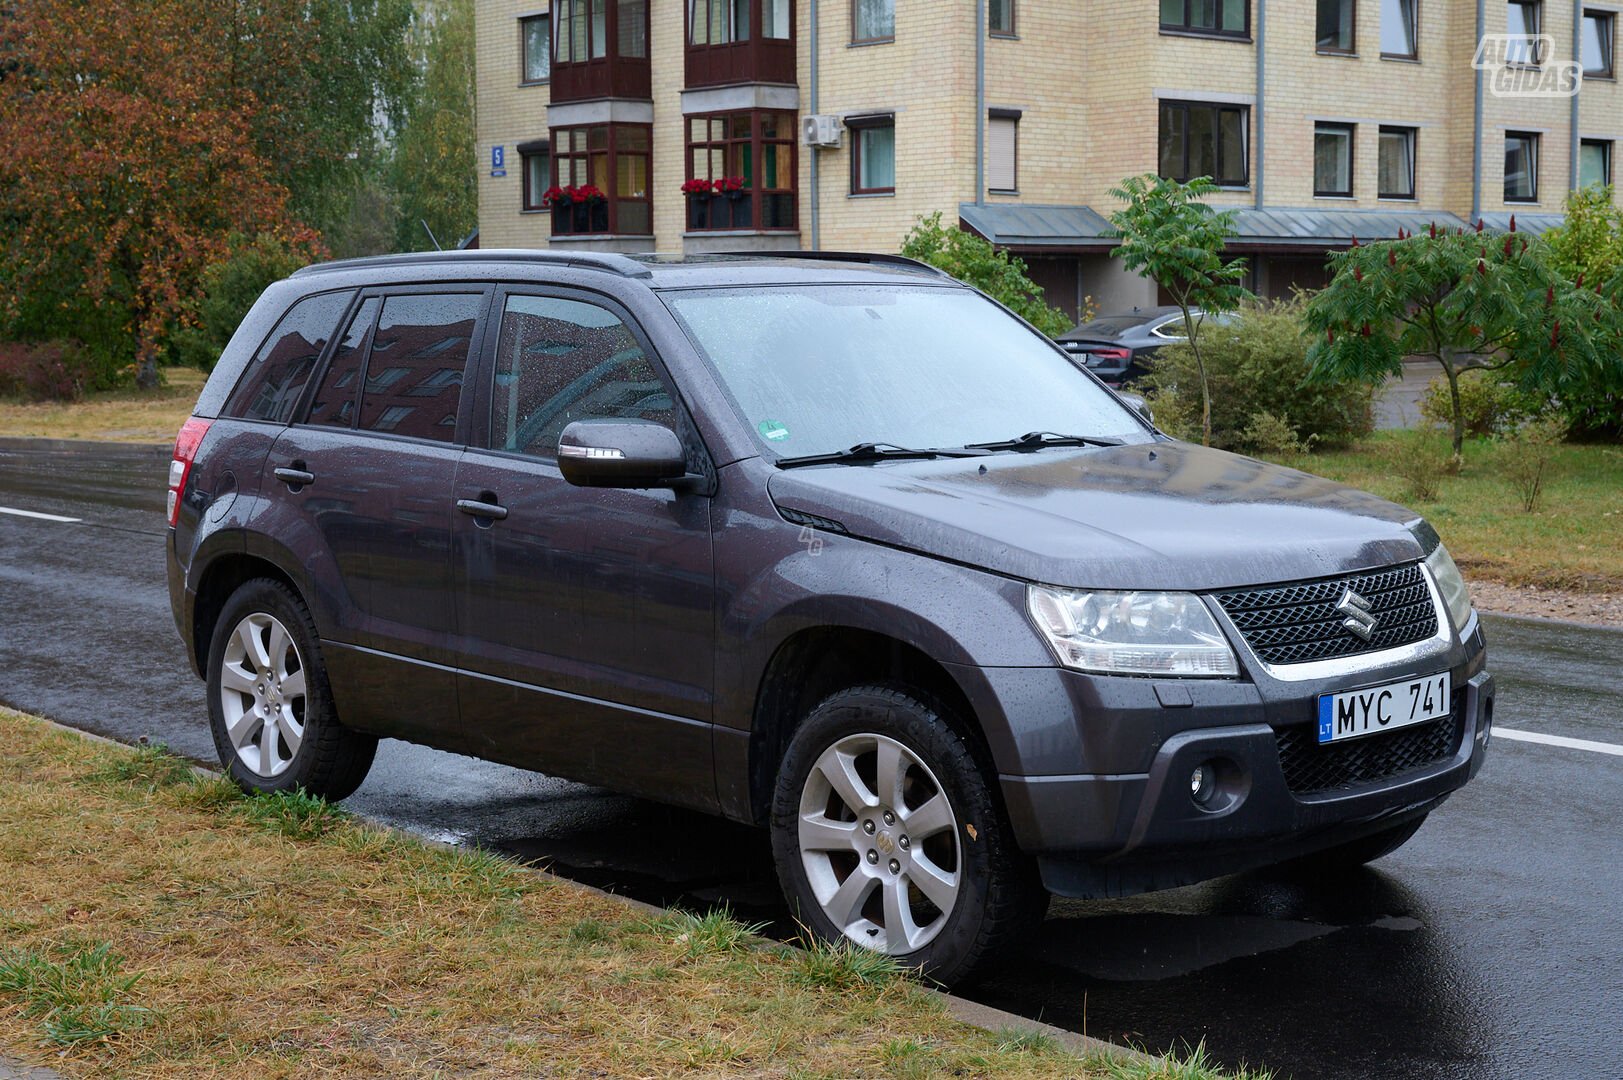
x=1162, y=515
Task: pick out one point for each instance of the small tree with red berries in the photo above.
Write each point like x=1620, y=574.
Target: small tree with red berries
x=1464, y=299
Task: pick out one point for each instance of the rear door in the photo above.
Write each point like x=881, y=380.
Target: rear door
x=586, y=614
x=363, y=488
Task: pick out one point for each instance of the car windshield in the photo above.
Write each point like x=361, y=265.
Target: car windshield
x=818, y=369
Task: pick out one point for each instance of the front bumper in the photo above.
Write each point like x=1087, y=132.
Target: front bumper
x=1114, y=832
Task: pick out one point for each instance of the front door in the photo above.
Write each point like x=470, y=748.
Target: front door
x=586, y=614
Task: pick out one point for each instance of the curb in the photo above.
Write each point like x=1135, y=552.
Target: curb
x=985, y=1017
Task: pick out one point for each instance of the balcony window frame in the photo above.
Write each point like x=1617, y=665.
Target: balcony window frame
x=1218, y=109
x=524, y=49
x=756, y=142
x=1411, y=136
x=857, y=125
x=857, y=39
x=1534, y=150
x=612, y=73
x=1414, y=32
x=1009, y=31
x=755, y=58
x=1606, y=21
x=1187, y=29
x=1349, y=130
x=1608, y=150
x=530, y=199
x=1352, y=34
x=610, y=153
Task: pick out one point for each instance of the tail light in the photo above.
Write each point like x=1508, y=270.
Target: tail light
x=1110, y=354
x=180, y=468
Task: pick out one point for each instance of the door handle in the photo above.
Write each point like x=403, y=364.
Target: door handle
x=295, y=477
x=476, y=508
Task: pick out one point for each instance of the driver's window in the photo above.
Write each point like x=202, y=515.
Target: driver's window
x=564, y=360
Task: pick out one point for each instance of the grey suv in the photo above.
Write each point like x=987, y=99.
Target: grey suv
x=827, y=543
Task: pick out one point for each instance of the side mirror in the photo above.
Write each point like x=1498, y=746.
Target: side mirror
x=1137, y=404
x=621, y=454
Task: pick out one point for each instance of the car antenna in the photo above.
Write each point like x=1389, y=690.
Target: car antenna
x=432, y=238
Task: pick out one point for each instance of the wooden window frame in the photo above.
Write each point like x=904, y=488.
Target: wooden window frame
x=610, y=153
x=531, y=199
x=1414, y=162
x=1351, y=49
x=1012, y=30
x=524, y=49
x=1536, y=149
x=1608, y=22
x=1218, y=107
x=1013, y=115
x=856, y=124
x=1185, y=29
x=855, y=40
x=1351, y=131
x=757, y=141
x=1415, y=36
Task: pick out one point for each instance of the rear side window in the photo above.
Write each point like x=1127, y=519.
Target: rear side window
x=335, y=398
x=561, y=360
x=414, y=372
x=270, y=388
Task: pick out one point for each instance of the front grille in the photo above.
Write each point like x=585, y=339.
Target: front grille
x=1311, y=767
x=1292, y=624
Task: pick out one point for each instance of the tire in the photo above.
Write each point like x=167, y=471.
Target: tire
x=848, y=873
x=1356, y=853
x=263, y=642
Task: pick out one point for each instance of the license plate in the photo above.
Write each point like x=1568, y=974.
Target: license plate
x=1353, y=714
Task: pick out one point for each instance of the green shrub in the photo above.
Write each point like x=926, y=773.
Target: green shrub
x=229, y=288
x=1421, y=460
x=975, y=261
x=1528, y=449
x=1257, y=367
x=1487, y=404
x=45, y=371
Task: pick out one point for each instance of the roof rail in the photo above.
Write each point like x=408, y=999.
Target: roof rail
x=585, y=260
x=842, y=256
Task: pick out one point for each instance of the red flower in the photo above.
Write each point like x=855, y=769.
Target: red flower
x=729, y=184
x=697, y=186
x=588, y=193
x=553, y=196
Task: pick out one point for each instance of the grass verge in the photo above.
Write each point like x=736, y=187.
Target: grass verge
x=142, y=416
x=1568, y=542
x=156, y=923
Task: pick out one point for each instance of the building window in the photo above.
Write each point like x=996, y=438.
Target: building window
x=1332, y=159
x=1395, y=167
x=718, y=22
x=1335, y=26
x=1524, y=22
x=583, y=29
x=537, y=160
x=1000, y=18
x=873, y=154
x=613, y=159
x=1200, y=139
x=1597, y=44
x=535, y=38
x=1521, y=167
x=1400, y=29
x=748, y=161
x=1003, y=151
x=1228, y=18
x=1594, y=163
x=873, y=20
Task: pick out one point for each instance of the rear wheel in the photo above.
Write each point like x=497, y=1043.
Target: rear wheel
x=270, y=708
x=886, y=833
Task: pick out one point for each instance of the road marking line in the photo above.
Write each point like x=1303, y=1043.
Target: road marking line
x=1558, y=740
x=37, y=514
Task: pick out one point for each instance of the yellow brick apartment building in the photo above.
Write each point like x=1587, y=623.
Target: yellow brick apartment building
x=712, y=125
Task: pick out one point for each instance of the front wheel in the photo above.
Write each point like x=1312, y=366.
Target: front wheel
x=886, y=833
x=270, y=708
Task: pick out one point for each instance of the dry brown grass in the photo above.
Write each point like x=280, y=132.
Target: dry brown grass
x=110, y=416
x=281, y=938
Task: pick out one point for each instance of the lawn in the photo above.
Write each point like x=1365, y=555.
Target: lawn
x=156, y=923
x=1570, y=541
x=148, y=416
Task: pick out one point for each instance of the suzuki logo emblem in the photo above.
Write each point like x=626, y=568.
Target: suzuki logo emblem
x=1359, y=619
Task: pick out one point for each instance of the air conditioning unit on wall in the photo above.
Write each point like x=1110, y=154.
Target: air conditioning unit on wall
x=820, y=130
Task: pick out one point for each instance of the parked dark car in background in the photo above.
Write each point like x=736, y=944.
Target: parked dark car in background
x=831, y=544
x=1117, y=347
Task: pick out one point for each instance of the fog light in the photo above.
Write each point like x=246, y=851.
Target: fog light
x=1203, y=784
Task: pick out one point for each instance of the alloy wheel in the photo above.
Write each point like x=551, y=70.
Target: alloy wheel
x=262, y=694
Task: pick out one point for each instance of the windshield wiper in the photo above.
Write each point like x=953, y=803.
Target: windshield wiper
x=874, y=451
x=1035, y=440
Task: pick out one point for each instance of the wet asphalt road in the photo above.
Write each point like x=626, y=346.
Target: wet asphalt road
x=1490, y=946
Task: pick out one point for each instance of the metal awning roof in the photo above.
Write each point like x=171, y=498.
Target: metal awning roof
x=1021, y=226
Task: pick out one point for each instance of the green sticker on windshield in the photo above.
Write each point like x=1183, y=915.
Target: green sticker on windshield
x=772, y=431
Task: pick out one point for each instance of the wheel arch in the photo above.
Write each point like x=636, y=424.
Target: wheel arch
x=219, y=579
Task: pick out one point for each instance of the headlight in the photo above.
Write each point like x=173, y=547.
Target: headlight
x=1449, y=582
x=1131, y=633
